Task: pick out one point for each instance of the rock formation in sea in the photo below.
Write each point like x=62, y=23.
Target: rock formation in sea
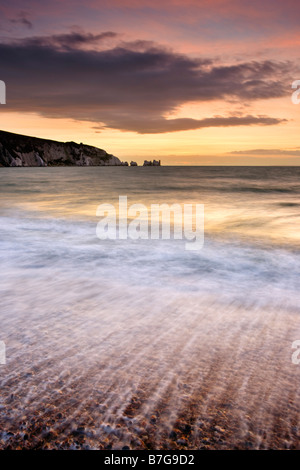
x=19, y=150
x=151, y=163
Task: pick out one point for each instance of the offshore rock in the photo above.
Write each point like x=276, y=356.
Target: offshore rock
x=152, y=163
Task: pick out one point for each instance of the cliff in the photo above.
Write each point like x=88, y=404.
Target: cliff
x=20, y=150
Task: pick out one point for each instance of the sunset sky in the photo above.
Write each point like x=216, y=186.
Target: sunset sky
x=189, y=82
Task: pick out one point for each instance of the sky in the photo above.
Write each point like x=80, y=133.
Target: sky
x=188, y=82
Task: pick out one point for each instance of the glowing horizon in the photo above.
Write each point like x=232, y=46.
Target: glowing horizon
x=193, y=83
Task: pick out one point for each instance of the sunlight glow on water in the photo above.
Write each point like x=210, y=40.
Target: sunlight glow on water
x=140, y=343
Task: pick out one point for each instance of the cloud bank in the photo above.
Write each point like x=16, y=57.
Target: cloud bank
x=130, y=86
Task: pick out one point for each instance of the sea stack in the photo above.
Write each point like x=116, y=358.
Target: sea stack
x=152, y=163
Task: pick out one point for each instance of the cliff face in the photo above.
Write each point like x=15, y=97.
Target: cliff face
x=21, y=150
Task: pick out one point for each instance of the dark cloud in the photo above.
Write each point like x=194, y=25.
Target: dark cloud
x=75, y=40
x=157, y=126
x=130, y=86
x=280, y=152
x=22, y=19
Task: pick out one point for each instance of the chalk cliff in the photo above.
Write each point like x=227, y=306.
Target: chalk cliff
x=20, y=150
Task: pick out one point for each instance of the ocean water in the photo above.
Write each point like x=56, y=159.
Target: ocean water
x=141, y=343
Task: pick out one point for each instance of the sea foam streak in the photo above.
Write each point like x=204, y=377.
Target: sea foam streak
x=141, y=343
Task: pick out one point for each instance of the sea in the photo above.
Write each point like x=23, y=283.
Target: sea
x=141, y=343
